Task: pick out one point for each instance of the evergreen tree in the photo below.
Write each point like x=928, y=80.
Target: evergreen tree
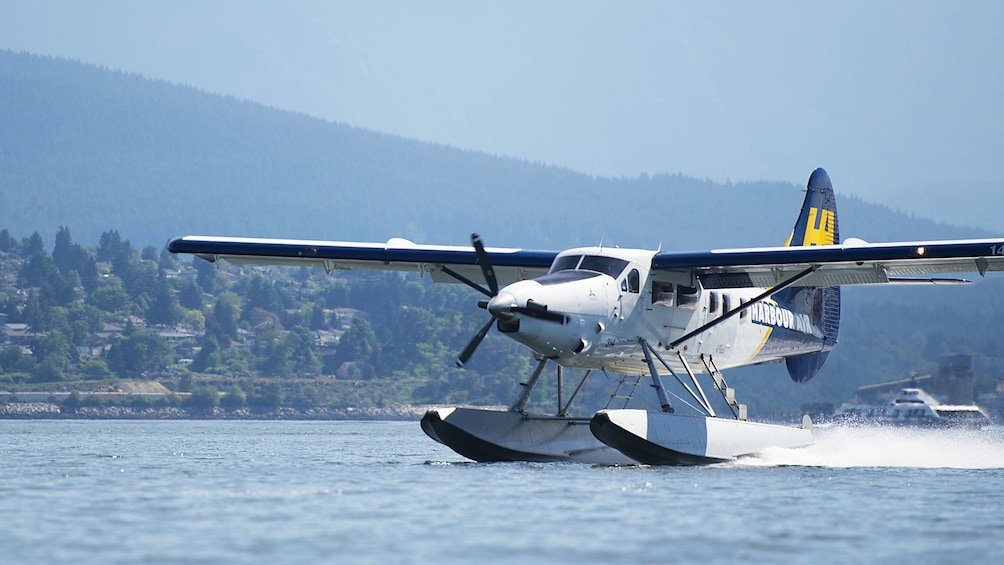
x=111, y=246
x=226, y=313
x=358, y=345
x=167, y=261
x=37, y=270
x=190, y=296
x=164, y=309
x=62, y=252
x=318, y=321
x=208, y=358
x=34, y=245
x=300, y=346
x=7, y=243
x=205, y=275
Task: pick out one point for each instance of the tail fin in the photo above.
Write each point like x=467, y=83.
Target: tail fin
x=816, y=225
x=817, y=222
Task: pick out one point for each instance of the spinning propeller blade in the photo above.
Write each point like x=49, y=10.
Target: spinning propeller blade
x=465, y=355
x=493, y=285
x=485, y=264
x=532, y=309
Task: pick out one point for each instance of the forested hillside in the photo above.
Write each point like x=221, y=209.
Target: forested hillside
x=103, y=152
x=95, y=149
x=85, y=318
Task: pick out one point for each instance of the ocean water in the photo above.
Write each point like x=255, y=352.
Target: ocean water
x=89, y=491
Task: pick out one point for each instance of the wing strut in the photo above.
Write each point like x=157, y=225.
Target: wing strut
x=767, y=293
x=528, y=387
x=466, y=281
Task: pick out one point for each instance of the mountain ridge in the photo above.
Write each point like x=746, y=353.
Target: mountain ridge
x=157, y=160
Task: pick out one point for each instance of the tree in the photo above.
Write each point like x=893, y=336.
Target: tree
x=69, y=257
x=63, y=250
x=190, y=296
x=73, y=401
x=204, y=399
x=261, y=293
x=7, y=243
x=359, y=345
x=167, y=261
x=95, y=369
x=318, y=321
x=268, y=396
x=50, y=369
x=194, y=320
x=226, y=313
x=10, y=358
x=111, y=246
x=164, y=310
x=234, y=398
x=138, y=352
x=34, y=245
x=205, y=275
x=209, y=357
x=111, y=296
x=53, y=344
x=300, y=346
x=37, y=270
x=149, y=253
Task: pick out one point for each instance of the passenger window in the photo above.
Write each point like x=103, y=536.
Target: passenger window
x=726, y=303
x=687, y=296
x=662, y=293
x=713, y=303
x=633, y=282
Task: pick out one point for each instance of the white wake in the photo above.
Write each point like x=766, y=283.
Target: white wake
x=861, y=446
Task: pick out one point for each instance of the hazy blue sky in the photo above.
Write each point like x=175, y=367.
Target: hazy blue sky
x=885, y=95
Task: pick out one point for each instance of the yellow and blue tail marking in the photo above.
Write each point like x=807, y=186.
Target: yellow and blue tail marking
x=816, y=225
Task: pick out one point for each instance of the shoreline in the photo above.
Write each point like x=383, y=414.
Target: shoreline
x=52, y=411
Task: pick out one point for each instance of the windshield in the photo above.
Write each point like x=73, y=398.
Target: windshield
x=607, y=265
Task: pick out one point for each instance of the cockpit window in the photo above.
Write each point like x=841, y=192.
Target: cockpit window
x=566, y=263
x=607, y=265
x=567, y=275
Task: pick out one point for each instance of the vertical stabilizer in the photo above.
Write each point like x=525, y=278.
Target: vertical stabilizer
x=817, y=222
x=816, y=225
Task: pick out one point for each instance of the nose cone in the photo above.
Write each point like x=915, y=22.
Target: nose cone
x=501, y=306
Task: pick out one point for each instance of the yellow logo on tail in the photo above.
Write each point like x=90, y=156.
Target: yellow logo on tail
x=819, y=228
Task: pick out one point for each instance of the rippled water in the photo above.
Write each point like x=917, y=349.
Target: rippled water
x=91, y=491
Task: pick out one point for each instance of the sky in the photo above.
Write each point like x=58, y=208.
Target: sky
x=890, y=97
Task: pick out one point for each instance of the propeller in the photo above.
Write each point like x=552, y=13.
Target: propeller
x=493, y=289
x=501, y=310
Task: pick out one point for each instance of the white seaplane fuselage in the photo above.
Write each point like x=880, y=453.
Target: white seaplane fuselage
x=610, y=301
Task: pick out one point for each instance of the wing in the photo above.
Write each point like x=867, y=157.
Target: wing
x=510, y=265
x=853, y=262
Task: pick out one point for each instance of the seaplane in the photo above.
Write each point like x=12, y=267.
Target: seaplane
x=673, y=321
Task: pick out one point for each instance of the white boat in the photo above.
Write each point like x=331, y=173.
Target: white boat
x=914, y=407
